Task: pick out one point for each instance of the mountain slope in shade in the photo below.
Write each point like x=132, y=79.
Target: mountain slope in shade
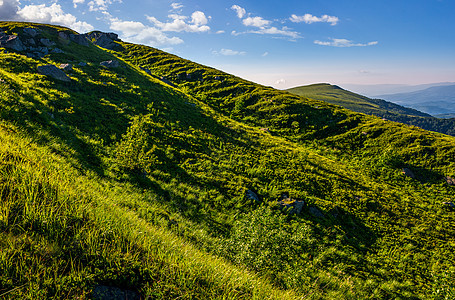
x=433, y=100
x=381, y=108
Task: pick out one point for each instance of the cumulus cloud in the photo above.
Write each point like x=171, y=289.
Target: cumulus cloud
x=179, y=24
x=229, y=52
x=76, y=2
x=137, y=32
x=265, y=54
x=241, y=12
x=280, y=81
x=101, y=5
x=343, y=43
x=51, y=14
x=308, y=18
x=263, y=26
x=9, y=9
x=256, y=22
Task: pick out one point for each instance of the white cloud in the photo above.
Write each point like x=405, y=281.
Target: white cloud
x=76, y=2
x=8, y=9
x=198, y=18
x=220, y=32
x=256, y=22
x=308, y=18
x=343, y=43
x=275, y=31
x=101, y=5
x=239, y=10
x=51, y=14
x=229, y=52
x=176, y=6
x=137, y=32
x=280, y=81
x=197, y=24
x=265, y=54
x=263, y=25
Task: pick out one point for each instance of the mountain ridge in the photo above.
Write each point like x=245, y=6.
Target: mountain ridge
x=377, y=107
x=142, y=184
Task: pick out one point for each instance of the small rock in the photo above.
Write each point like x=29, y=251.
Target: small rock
x=265, y=129
x=47, y=42
x=103, y=292
x=54, y=72
x=63, y=36
x=450, y=180
x=408, y=173
x=30, y=42
x=57, y=50
x=146, y=70
x=31, y=31
x=82, y=64
x=110, y=64
x=449, y=204
x=252, y=196
x=316, y=212
x=66, y=67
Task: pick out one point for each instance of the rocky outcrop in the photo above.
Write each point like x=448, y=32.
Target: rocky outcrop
x=110, y=64
x=53, y=72
x=105, y=40
x=31, y=31
x=66, y=67
x=11, y=42
x=291, y=206
x=80, y=39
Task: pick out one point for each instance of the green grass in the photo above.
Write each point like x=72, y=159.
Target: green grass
x=377, y=107
x=142, y=186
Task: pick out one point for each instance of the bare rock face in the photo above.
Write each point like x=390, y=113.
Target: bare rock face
x=47, y=42
x=80, y=39
x=408, y=173
x=66, y=67
x=105, y=40
x=12, y=42
x=110, y=64
x=31, y=31
x=54, y=72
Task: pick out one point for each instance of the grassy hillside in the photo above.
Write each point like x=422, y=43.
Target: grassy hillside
x=377, y=107
x=137, y=177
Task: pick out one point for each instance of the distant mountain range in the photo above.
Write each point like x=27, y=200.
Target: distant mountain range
x=433, y=100
x=385, y=109
x=373, y=90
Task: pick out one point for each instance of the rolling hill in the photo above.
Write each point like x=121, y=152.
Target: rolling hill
x=434, y=100
x=377, y=107
x=129, y=172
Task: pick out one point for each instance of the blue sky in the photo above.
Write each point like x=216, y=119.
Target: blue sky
x=278, y=43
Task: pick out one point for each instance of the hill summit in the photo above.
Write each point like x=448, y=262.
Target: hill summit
x=145, y=175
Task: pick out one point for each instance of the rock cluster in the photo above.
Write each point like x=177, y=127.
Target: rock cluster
x=105, y=40
x=35, y=45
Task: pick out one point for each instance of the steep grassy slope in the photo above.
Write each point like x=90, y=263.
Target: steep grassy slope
x=336, y=95
x=139, y=185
